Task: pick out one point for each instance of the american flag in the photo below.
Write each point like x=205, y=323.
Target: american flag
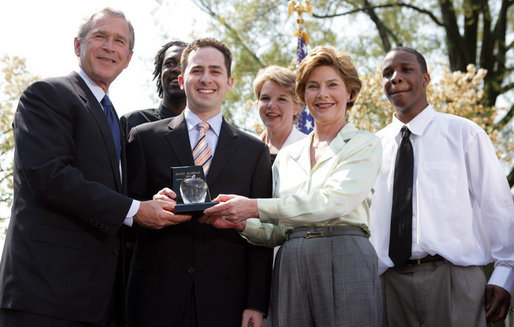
x=305, y=122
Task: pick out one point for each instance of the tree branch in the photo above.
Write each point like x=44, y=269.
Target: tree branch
x=506, y=119
x=205, y=8
x=394, y=4
x=507, y=88
x=383, y=31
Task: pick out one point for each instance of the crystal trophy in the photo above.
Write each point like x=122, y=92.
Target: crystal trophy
x=192, y=191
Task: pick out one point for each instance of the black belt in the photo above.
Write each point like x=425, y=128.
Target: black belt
x=325, y=231
x=427, y=259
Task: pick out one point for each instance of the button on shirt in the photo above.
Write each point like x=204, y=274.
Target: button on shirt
x=462, y=205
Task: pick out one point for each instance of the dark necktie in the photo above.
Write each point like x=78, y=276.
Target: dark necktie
x=113, y=123
x=400, y=242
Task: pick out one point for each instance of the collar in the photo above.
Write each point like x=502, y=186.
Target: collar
x=343, y=136
x=97, y=91
x=418, y=124
x=164, y=112
x=192, y=120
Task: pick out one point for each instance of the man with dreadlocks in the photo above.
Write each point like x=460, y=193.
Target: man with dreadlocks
x=166, y=72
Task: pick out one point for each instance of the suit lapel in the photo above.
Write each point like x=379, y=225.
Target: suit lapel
x=96, y=111
x=227, y=144
x=178, y=140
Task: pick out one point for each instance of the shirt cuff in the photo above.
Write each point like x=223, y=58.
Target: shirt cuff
x=252, y=227
x=503, y=276
x=267, y=210
x=134, y=207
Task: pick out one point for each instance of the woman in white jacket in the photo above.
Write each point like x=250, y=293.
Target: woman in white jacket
x=326, y=269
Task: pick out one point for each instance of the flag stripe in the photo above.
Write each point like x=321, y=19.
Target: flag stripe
x=305, y=122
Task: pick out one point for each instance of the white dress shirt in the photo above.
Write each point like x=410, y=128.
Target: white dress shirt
x=213, y=133
x=294, y=136
x=335, y=192
x=462, y=205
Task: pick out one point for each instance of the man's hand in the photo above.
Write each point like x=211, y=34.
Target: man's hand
x=252, y=316
x=234, y=208
x=221, y=223
x=166, y=194
x=497, y=303
x=158, y=213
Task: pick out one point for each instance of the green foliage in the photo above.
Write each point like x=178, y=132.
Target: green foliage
x=260, y=33
x=14, y=78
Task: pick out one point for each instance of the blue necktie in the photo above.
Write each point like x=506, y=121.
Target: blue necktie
x=113, y=123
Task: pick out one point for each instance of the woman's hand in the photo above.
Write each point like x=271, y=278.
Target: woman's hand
x=221, y=223
x=234, y=208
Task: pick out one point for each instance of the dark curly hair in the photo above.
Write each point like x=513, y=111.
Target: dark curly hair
x=159, y=58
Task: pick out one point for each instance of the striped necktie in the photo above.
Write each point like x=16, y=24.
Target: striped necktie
x=201, y=151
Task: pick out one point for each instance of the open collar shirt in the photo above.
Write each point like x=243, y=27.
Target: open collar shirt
x=462, y=204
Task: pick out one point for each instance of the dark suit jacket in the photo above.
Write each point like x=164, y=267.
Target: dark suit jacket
x=127, y=122
x=138, y=117
x=218, y=270
x=62, y=246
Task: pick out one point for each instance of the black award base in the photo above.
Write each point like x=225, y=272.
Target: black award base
x=195, y=209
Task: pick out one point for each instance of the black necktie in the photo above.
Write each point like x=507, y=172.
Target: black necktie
x=113, y=123
x=400, y=242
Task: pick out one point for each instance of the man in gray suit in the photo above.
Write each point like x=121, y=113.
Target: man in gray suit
x=61, y=261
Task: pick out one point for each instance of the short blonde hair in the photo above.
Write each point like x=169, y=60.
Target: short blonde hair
x=280, y=75
x=329, y=56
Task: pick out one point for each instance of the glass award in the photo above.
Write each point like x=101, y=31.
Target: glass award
x=192, y=191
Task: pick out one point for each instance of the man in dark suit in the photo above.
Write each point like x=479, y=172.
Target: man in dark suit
x=166, y=72
x=60, y=264
x=193, y=274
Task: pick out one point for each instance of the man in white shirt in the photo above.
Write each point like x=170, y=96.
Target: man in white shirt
x=451, y=189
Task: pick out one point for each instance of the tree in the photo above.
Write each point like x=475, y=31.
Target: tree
x=464, y=31
x=458, y=93
x=14, y=79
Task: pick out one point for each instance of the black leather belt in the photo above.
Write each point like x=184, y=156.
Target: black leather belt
x=325, y=231
x=427, y=259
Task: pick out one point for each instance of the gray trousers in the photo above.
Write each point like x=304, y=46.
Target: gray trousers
x=326, y=282
x=434, y=294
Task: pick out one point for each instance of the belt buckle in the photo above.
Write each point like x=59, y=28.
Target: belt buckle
x=316, y=234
